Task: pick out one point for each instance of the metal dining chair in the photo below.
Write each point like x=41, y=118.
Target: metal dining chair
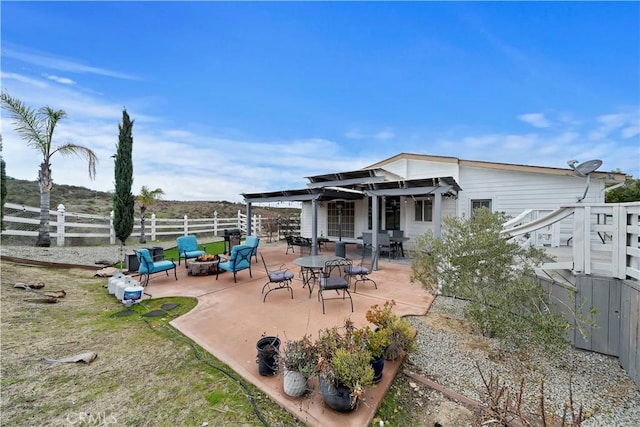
x=331, y=279
x=280, y=278
x=361, y=271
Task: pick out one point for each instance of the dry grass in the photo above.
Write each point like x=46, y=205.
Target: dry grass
x=146, y=373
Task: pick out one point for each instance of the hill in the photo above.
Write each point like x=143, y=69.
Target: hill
x=84, y=200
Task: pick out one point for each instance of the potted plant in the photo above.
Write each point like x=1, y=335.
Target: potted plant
x=299, y=361
x=344, y=369
x=402, y=337
x=376, y=342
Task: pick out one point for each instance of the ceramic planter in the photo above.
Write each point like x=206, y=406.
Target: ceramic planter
x=378, y=366
x=295, y=384
x=338, y=398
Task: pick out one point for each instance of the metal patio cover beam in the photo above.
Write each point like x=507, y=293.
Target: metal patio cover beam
x=412, y=191
x=347, y=182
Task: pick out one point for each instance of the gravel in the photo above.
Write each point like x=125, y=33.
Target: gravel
x=448, y=356
x=77, y=255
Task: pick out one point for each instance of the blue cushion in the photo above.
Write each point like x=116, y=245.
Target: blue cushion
x=163, y=265
x=252, y=241
x=192, y=254
x=235, y=263
x=187, y=243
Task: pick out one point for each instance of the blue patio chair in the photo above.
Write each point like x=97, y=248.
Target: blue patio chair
x=188, y=248
x=253, y=241
x=240, y=259
x=148, y=266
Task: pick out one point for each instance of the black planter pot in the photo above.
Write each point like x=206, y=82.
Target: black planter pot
x=338, y=398
x=378, y=366
x=268, y=349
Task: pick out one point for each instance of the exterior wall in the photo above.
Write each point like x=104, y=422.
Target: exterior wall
x=411, y=227
x=510, y=191
x=306, y=218
x=413, y=169
x=513, y=192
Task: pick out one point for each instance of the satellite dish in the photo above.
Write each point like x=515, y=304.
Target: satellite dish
x=584, y=170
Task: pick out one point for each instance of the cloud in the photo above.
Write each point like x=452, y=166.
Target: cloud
x=62, y=80
x=382, y=135
x=535, y=119
x=55, y=63
x=626, y=122
x=23, y=79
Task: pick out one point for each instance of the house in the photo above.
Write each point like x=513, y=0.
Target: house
x=413, y=192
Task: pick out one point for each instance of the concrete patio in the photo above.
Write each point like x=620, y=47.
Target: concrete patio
x=231, y=317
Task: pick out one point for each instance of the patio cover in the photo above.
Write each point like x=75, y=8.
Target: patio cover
x=355, y=185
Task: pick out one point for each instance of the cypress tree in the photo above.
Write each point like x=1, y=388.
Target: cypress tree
x=3, y=186
x=123, y=199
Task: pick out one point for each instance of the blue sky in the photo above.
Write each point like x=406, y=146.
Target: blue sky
x=233, y=97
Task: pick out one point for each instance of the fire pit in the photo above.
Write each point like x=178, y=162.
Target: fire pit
x=203, y=265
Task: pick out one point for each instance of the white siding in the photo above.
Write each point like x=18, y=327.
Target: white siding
x=510, y=191
x=415, y=169
x=513, y=192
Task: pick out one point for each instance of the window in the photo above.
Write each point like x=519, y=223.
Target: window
x=343, y=226
x=480, y=203
x=424, y=210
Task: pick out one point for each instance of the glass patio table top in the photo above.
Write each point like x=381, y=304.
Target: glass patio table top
x=309, y=266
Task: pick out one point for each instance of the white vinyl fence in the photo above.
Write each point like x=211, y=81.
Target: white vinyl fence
x=65, y=227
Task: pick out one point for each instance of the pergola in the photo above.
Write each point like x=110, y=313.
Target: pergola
x=356, y=185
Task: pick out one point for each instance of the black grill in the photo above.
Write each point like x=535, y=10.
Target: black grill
x=231, y=238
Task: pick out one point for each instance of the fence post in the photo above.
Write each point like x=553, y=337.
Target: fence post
x=60, y=225
x=153, y=227
x=215, y=223
x=186, y=225
x=255, y=224
x=112, y=230
x=239, y=225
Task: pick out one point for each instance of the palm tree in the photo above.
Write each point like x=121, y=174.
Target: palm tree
x=146, y=199
x=36, y=128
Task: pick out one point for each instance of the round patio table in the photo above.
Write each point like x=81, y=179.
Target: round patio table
x=310, y=266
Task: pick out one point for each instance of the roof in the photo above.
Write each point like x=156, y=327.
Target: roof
x=609, y=177
x=375, y=180
x=354, y=185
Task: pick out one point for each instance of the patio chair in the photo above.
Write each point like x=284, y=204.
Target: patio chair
x=303, y=242
x=360, y=271
x=331, y=280
x=253, y=241
x=148, y=266
x=280, y=278
x=290, y=245
x=385, y=246
x=239, y=260
x=396, y=242
x=188, y=248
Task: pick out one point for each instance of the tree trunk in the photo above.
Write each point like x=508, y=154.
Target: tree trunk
x=143, y=238
x=44, y=180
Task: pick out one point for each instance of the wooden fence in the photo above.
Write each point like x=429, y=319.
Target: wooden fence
x=616, y=331
x=22, y=222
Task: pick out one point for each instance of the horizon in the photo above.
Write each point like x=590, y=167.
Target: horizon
x=245, y=97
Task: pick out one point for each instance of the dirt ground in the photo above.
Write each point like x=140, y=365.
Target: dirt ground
x=36, y=393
